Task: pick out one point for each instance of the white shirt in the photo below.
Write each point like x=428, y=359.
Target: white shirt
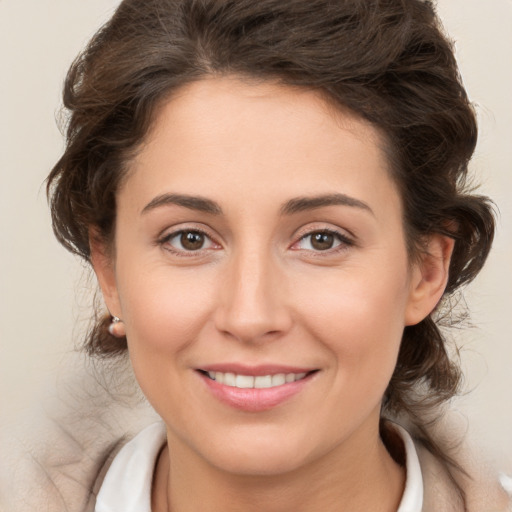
x=127, y=484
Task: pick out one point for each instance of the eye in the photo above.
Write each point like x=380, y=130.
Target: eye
x=188, y=241
x=323, y=240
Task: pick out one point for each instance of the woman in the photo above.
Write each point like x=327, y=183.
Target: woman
x=272, y=197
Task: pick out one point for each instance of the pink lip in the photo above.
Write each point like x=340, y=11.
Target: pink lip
x=253, y=399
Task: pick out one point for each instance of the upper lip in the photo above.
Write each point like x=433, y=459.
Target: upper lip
x=257, y=370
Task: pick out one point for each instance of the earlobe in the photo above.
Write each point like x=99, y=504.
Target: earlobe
x=429, y=278
x=103, y=265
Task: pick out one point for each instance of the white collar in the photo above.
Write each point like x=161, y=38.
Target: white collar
x=412, y=499
x=127, y=484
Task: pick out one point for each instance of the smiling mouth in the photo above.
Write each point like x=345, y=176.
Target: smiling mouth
x=255, y=381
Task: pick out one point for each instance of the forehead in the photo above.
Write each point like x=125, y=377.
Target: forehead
x=208, y=104
x=225, y=135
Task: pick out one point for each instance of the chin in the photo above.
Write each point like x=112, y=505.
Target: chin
x=259, y=466
x=259, y=456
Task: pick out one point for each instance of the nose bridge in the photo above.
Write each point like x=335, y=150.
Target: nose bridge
x=251, y=306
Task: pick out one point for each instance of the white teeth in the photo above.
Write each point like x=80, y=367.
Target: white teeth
x=259, y=382
x=263, y=382
x=242, y=381
x=229, y=379
x=280, y=379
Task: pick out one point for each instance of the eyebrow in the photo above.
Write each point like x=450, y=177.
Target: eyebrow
x=301, y=204
x=192, y=202
x=295, y=205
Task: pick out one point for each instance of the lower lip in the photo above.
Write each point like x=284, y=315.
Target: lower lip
x=255, y=399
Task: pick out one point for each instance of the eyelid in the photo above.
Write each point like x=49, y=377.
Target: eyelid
x=327, y=226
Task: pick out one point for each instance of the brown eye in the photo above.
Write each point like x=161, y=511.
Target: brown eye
x=322, y=241
x=192, y=240
x=326, y=240
x=187, y=241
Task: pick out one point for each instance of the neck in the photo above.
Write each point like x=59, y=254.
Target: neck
x=358, y=475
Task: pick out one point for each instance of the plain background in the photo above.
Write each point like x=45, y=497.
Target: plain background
x=45, y=292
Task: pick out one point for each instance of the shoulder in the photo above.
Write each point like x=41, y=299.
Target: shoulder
x=483, y=492
x=52, y=456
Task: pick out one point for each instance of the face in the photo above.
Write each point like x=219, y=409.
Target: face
x=262, y=276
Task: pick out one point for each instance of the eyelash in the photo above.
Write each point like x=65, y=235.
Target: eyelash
x=344, y=242
x=166, y=239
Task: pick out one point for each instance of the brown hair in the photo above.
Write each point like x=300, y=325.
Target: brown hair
x=386, y=60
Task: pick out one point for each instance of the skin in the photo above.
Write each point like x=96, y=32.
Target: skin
x=259, y=292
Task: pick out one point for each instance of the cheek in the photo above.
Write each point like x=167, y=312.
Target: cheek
x=164, y=310
x=359, y=316
x=361, y=328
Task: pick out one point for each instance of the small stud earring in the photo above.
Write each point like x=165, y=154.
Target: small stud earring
x=116, y=327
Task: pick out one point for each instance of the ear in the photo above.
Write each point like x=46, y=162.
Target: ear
x=103, y=264
x=429, y=278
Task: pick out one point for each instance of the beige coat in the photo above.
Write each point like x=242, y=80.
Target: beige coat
x=55, y=460
x=483, y=492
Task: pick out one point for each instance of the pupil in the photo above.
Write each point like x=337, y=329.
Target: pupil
x=322, y=241
x=192, y=240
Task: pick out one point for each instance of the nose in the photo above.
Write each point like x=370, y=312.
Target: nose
x=252, y=306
